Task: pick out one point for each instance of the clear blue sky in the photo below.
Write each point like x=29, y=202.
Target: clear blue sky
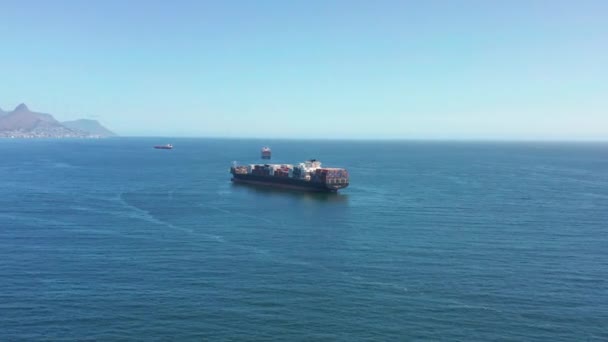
x=345, y=69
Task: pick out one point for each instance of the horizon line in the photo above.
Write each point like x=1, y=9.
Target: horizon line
x=369, y=139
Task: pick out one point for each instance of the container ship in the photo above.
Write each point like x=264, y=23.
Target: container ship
x=308, y=176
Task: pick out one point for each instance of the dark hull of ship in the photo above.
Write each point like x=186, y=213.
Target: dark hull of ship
x=286, y=183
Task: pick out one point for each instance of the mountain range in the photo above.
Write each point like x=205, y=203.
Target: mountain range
x=23, y=123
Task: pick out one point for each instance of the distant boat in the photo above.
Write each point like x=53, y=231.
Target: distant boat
x=266, y=152
x=164, y=147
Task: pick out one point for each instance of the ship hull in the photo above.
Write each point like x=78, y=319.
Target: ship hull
x=286, y=183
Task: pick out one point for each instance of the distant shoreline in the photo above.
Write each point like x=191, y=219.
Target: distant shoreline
x=351, y=140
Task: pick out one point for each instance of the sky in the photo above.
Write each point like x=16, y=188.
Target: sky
x=313, y=69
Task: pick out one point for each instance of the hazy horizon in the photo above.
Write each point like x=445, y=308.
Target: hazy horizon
x=469, y=70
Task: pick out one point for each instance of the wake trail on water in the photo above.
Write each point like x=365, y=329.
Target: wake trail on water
x=145, y=215
x=264, y=253
x=226, y=211
x=68, y=226
x=259, y=251
x=136, y=212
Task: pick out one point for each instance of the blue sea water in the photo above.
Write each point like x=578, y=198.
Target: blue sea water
x=113, y=240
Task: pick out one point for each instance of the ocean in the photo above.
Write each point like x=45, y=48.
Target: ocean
x=472, y=241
